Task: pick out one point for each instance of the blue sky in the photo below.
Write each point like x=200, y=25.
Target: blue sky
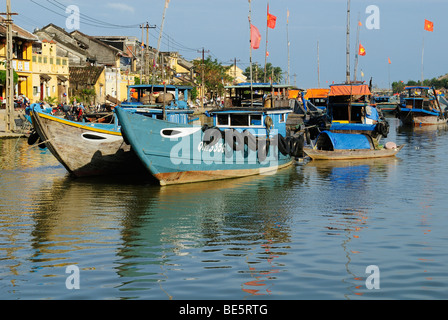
x=221, y=27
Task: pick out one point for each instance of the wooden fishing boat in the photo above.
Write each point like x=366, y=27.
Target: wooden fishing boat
x=420, y=108
x=92, y=149
x=339, y=146
x=243, y=142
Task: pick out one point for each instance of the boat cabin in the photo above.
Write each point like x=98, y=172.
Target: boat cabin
x=351, y=104
x=419, y=97
x=264, y=95
x=317, y=97
x=258, y=121
x=170, y=96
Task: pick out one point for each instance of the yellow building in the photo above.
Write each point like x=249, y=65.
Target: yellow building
x=22, y=50
x=50, y=74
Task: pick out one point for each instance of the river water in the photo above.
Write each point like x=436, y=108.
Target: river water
x=312, y=231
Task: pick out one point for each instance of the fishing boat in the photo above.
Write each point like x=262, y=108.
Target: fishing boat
x=93, y=148
x=244, y=141
x=419, y=107
x=347, y=146
x=350, y=110
x=387, y=104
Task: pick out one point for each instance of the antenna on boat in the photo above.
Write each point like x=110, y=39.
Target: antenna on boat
x=348, y=41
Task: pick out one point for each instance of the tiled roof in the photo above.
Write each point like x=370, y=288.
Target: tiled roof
x=17, y=31
x=85, y=75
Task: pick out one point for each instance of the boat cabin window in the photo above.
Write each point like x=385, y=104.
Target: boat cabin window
x=223, y=120
x=239, y=120
x=256, y=120
x=282, y=118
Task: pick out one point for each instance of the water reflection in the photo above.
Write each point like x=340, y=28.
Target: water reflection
x=348, y=191
x=157, y=234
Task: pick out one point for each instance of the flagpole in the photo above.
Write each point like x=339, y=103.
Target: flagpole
x=423, y=54
x=266, y=53
x=251, y=69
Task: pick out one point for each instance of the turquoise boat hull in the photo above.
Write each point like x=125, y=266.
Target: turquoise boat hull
x=178, y=153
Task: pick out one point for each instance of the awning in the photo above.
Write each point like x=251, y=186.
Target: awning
x=343, y=141
x=317, y=93
x=62, y=78
x=45, y=77
x=350, y=90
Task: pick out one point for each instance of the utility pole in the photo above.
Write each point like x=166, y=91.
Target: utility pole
x=147, y=27
x=203, y=75
x=141, y=58
x=9, y=118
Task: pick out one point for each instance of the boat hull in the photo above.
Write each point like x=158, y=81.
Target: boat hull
x=85, y=150
x=419, y=118
x=184, y=158
x=351, y=154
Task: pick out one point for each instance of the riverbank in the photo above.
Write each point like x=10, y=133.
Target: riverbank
x=21, y=127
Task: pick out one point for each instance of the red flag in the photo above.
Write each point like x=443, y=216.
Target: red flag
x=389, y=60
x=429, y=26
x=362, y=51
x=255, y=37
x=271, y=20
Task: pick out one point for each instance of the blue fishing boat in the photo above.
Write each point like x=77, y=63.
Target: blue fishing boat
x=419, y=107
x=88, y=148
x=243, y=141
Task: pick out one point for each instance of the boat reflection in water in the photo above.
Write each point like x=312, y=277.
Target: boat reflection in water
x=147, y=240
x=347, y=198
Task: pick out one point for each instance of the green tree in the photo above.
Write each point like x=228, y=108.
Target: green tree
x=3, y=77
x=215, y=75
x=398, y=87
x=275, y=73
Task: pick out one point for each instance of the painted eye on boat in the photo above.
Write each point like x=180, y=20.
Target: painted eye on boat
x=170, y=132
x=174, y=133
x=90, y=136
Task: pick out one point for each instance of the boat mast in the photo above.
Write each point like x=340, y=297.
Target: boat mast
x=160, y=38
x=348, y=42
x=357, y=51
x=250, y=42
x=287, y=39
x=318, y=65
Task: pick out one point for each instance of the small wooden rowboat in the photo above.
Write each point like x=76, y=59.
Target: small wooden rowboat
x=336, y=146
